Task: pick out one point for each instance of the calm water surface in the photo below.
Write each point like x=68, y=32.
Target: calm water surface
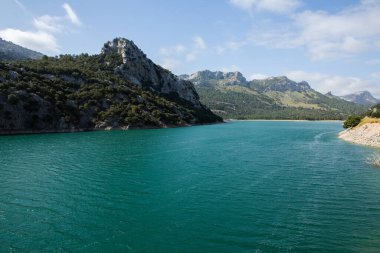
x=235, y=187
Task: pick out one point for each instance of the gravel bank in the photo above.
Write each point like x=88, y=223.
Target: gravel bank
x=367, y=134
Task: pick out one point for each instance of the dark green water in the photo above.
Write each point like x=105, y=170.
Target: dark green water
x=236, y=187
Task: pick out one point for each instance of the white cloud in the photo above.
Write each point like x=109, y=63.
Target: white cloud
x=373, y=62
x=347, y=33
x=192, y=56
x=170, y=63
x=338, y=85
x=198, y=46
x=232, y=68
x=39, y=41
x=279, y=6
x=71, y=14
x=22, y=7
x=231, y=45
x=48, y=23
x=199, y=42
x=179, y=49
x=376, y=75
x=173, y=56
x=175, y=50
x=258, y=76
x=43, y=38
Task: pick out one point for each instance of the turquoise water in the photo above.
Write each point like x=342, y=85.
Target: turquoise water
x=235, y=187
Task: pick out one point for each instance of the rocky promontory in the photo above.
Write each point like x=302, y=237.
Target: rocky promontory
x=120, y=88
x=367, y=134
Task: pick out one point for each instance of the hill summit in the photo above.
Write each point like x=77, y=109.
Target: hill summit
x=140, y=70
x=118, y=88
x=361, y=97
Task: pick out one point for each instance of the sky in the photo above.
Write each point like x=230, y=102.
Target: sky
x=332, y=44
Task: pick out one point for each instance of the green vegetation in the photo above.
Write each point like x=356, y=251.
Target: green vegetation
x=352, y=121
x=231, y=96
x=247, y=103
x=84, y=92
x=371, y=116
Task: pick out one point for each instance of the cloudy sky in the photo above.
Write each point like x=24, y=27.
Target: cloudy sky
x=334, y=45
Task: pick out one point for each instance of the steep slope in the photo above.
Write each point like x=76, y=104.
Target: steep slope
x=362, y=98
x=103, y=91
x=11, y=51
x=138, y=69
x=271, y=98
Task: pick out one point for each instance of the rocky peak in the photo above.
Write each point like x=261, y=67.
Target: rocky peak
x=203, y=78
x=126, y=48
x=361, y=97
x=140, y=70
x=280, y=83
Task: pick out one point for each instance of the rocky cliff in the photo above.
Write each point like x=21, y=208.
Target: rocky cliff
x=207, y=78
x=362, y=98
x=280, y=84
x=140, y=70
x=118, y=88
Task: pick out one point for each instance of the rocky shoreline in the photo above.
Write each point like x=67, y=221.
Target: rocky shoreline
x=366, y=134
x=75, y=130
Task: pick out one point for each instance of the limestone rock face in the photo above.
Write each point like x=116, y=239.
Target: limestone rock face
x=140, y=70
x=280, y=84
x=202, y=78
x=362, y=98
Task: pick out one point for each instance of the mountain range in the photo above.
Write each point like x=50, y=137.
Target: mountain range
x=122, y=88
x=362, y=98
x=11, y=51
x=118, y=88
x=230, y=95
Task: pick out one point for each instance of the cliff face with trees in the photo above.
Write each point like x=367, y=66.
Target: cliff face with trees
x=118, y=88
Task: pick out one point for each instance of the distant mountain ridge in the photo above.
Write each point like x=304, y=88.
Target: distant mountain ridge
x=362, y=98
x=203, y=78
x=11, y=51
x=280, y=84
x=232, y=96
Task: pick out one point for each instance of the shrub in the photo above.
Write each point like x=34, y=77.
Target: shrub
x=13, y=99
x=352, y=121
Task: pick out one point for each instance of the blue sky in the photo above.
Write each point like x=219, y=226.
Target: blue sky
x=334, y=45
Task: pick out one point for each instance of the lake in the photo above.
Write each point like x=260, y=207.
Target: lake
x=254, y=186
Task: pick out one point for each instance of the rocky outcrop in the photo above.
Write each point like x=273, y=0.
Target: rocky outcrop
x=362, y=98
x=231, y=95
x=367, y=134
x=117, y=89
x=140, y=70
x=207, y=78
x=203, y=78
x=280, y=84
